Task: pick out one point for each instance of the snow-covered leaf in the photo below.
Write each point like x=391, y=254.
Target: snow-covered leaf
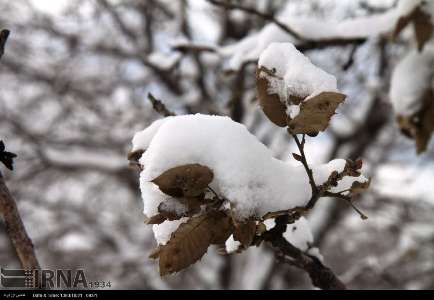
x=187, y=180
x=273, y=108
x=293, y=92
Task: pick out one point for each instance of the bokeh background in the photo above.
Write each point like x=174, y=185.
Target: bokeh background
x=74, y=82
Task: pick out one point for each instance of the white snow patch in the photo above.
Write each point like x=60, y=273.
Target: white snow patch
x=300, y=77
x=310, y=28
x=245, y=171
x=410, y=80
x=299, y=234
x=163, y=231
x=232, y=245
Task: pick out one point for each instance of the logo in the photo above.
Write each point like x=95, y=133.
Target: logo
x=19, y=278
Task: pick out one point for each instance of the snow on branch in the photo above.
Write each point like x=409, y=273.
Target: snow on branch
x=313, y=32
x=411, y=94
x=8, y=208
x=206, y=180
x=209, y=170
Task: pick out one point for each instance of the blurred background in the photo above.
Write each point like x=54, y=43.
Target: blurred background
x=74, y=82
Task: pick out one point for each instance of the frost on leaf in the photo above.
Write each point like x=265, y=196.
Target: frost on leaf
x=187, y=180
x=422, y=23
x=191, y=241
x=293, y=92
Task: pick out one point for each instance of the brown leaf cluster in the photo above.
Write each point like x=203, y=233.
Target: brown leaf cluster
x=208, y=223
x=314, y=116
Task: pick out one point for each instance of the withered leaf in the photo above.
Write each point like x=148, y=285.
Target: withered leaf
x=157, y=219
x=245, y=232
x=188, y=180
x=190, y=242
x=192, y=204
x=423, y=28
x=359, y=187
x=420, y=125
x=169, y=213
x=315, y=113
x=222, y=232
x=260, y=228
x=297, y=156
x=273, y=108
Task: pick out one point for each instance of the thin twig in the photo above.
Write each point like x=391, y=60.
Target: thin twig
x=253, y=11
x=315, y=191
x=4, y=34
x=8, y=209
x=346, y=199
x=15, y=229
x=159, y=106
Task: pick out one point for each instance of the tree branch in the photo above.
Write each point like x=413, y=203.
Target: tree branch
x=4, y=34
x=159, y=106
x=320, y=275
x=265, y=16
x=15, y=229
x=315, y=191
x=14, y=225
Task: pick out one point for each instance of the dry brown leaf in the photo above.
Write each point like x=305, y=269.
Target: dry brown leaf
x=155, y=253
x=157, y=219
x=190, y=241
x=315, y=113
x=260, y=228
x=420, y=126
x=273, y=108
x=423, y=28
x=245, y=232
x=187, y=180
x=192, y=204
x=359, y=187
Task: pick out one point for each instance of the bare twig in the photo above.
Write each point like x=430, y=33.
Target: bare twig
x=159, y=106
x=253, y=11
x=15, y=229
x=305, y=43
x=4, y=34
x=320, y=275
x=315, y=191
x=14, y=225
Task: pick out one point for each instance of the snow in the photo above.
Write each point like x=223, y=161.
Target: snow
x=299, y=234
x=300, y=77
x=232, y=245
x=142, y=139
x=163, y=231
x=245, y=172
x=164, y=61
x=410, y=80
x=407, y=6
x=316, y=29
